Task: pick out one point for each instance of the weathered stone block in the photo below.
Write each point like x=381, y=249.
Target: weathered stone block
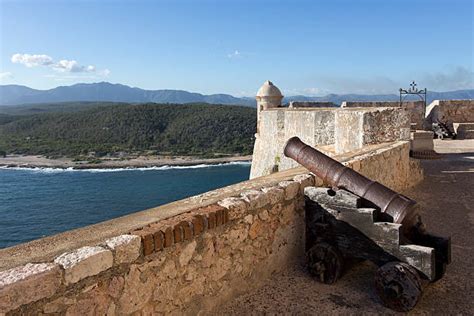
x=358, y=127
x=264, y=216
x=28, y=283
x=187, y=253
x=291, y=189
x=57, y=305
x=236, y=207
x=274, y=194
x=415, y=108
x=421, y=141
x=84, y=262
x=304, y=180
x=92, y=302
x=255, y=229
x=137, y=290
x=115, y=286
x=255, y=199
x=125, y=247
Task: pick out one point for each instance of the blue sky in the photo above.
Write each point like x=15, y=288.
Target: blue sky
x=304, y=47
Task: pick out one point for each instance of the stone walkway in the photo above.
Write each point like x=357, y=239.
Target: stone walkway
x=447, y=198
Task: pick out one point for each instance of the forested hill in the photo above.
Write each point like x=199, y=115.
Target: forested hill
x=191, y=129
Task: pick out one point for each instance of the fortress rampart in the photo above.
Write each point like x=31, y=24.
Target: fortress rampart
x=188, y=256
x=415, y=108
x=193, y=255
x=453, y=111
x=332, y=130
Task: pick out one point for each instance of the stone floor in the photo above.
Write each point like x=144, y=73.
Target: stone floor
x=447, y=198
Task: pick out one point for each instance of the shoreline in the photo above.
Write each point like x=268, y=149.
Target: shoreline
x=31, y=162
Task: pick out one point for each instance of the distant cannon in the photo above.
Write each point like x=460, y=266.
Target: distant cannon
x=363, y=219
x=443, y=130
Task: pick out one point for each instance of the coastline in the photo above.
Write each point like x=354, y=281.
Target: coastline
x=112, y=163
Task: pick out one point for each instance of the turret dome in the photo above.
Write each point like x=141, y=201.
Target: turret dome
x=269, y=90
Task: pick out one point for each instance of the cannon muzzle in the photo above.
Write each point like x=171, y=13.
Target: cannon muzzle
x=397, y=206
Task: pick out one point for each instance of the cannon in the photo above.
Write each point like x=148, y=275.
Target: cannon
x=443, y=130
x=355, y=218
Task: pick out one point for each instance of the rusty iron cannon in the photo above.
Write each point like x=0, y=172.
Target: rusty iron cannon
x=357, y=218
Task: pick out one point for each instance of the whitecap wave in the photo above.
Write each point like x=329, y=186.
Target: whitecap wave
x=99, y=170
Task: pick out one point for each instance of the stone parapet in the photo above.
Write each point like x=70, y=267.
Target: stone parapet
x=312, y=104
x=27, y=284
x=450, y=111
x=421, y=141
x=464, y=130
x=415, y=108
x=315, y=126
x=217, y=246
x=84, y=262
x=359, y=127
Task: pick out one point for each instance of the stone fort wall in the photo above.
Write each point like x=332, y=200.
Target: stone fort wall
x=332, y=130
x=415, y=108
x=452, y=111
x=186, y=257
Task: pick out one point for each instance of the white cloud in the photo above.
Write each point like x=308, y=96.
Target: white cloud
x=62, y=66
x=32, y=60
x=234, y=54
x=6, y=75
x=72, y=66
x=104, y=73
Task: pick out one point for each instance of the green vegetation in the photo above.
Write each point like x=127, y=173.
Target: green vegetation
x=190, y=129
x=65, y=107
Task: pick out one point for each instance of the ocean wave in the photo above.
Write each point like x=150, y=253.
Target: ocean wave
x=99, y=170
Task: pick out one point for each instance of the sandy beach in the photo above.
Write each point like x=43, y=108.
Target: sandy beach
x=15, y=161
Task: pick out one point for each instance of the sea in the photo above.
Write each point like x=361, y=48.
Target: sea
x=39, y=202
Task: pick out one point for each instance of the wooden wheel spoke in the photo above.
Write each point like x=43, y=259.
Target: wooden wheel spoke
x=325, y=263
x=398, y=286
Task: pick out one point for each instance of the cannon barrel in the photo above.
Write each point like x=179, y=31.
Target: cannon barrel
x=399, y=207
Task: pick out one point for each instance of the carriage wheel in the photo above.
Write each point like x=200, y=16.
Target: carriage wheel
x=325, y=263
x=398, y=285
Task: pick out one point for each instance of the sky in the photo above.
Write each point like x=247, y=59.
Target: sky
x=232, y=46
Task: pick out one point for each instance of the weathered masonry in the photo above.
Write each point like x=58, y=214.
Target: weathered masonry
x=349, y=127
x=184, y=257
x=332, y=130
x=192, y=255
x=415, y=109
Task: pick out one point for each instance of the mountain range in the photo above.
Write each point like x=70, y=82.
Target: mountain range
x=105, y=91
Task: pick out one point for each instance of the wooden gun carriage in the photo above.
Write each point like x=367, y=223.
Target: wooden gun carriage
x=360, y=218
